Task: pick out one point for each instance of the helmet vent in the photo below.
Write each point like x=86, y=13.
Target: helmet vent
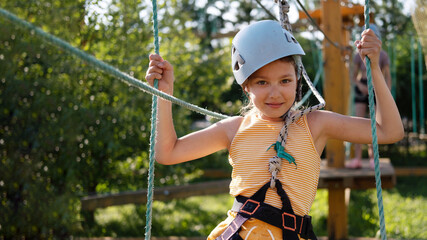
x=289, y=37
x=239, y=59
x=236, y=66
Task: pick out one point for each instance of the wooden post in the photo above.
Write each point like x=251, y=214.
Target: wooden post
x=336, y=88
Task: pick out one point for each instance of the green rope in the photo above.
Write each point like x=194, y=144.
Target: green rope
x=91, y=60
x=374, y=134
x=150, y=188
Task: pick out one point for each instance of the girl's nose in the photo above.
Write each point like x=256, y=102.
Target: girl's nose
x=274, y=91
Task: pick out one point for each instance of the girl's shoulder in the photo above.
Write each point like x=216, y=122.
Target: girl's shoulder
x=232, y=122
x=320, y=117
x=230, y=126
x=319, y=121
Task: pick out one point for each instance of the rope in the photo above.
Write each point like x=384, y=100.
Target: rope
x=374, y=134
x=151, y=166
x=91, y=60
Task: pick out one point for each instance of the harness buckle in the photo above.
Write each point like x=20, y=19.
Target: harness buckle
x=291, y=216
x=250, y=207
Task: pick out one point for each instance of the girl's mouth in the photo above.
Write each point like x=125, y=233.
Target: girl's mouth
x=274, y=105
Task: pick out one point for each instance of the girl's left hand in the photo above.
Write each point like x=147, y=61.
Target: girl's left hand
x=369, y=46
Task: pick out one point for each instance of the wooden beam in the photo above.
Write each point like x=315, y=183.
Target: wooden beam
x=161, y=194
x=336, y=96
x=363, y=178
x=348, y=13
x=356, y=9
x=330, y=178
x=411, y=171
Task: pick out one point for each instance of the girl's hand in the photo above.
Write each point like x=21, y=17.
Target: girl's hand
x=369, y=46
x=161, y=70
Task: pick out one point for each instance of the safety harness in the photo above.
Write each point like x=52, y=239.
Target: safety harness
x=284, y=218
x=254, y=206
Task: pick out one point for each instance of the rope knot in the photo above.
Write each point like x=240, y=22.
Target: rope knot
x=280, y=150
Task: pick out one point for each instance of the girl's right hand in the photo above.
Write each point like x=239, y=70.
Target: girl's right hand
x=161, y=70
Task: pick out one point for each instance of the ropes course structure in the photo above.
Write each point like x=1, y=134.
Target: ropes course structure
x=291, y=117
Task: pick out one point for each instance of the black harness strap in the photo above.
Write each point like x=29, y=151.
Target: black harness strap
x=285, y=219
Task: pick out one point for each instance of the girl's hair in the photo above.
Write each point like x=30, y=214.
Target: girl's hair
x=249, y=108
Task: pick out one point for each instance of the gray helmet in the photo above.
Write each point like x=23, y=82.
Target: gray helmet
x=258, y=44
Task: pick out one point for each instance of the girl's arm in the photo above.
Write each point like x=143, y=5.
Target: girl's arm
x=326, y=125
x=169, y=148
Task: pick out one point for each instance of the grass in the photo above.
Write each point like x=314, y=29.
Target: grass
x=405, y=209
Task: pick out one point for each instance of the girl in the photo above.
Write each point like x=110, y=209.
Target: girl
x=266, y=63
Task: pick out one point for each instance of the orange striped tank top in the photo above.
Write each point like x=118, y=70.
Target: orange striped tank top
x=249, y=158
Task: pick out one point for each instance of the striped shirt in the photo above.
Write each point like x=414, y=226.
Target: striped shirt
x=249, y=158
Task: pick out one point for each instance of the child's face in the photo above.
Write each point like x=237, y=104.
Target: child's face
x=272, y=89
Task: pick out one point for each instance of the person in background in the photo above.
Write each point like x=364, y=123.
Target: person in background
x=361, y=101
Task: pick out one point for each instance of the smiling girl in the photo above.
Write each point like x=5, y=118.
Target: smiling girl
x=266, y=63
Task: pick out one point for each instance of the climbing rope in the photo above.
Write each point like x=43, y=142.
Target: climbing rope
x=151, y=166
x=374, y=134
x=91, y=60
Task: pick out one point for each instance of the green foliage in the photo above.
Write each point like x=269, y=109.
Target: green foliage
x=68, y=130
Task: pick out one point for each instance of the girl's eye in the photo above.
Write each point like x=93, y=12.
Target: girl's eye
x=286, y=80
x=261, y=82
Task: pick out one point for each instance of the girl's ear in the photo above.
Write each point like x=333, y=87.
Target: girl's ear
x=245, y=90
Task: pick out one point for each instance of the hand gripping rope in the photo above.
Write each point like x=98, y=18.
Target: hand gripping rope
x=374, y=134
x=150, y=187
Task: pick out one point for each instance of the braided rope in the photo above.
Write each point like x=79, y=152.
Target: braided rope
x=284, y=18
x=91, y=60
x=374, y=134
x=151, y=166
